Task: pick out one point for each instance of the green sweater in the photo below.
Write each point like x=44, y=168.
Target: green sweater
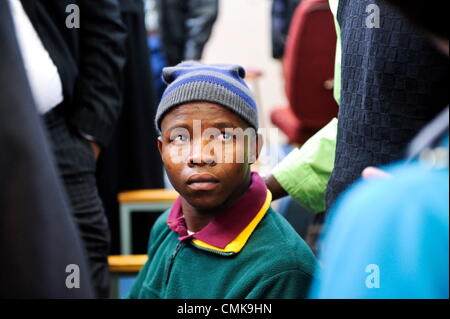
x=274, y=263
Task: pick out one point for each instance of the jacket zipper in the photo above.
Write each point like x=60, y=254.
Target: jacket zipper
x=172, y=259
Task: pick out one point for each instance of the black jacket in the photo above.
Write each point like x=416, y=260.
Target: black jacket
x=282, y=13
x=89, y=60
x=38, y=237
x=185, y=27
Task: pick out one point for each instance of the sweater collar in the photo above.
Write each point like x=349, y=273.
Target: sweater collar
x=229, y=232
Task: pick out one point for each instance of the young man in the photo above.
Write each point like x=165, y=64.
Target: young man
x=221, y=239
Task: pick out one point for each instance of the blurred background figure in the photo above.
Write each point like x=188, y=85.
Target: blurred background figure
x=185, y=27
x=157, y=55
x=38, y=236
x=75, y=72
x=282, y=12
x=132, y=160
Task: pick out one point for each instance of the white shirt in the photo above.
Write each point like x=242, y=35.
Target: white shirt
x=42, y=73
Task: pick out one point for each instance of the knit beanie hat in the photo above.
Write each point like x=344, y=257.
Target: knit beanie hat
x=216, y=83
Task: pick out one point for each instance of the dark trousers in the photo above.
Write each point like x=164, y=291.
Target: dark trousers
x=77, y=165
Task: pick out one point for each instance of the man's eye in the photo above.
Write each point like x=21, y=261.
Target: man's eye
x=226, y=136
x=180, y=138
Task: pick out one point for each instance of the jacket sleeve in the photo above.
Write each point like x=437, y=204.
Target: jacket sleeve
x=102, y=56
x=305, y=172
x=200, y=20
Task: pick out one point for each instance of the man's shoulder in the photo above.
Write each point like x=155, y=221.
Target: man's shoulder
x=161, y=222
x=278, y=230
x=160, y=227
x=276, y=241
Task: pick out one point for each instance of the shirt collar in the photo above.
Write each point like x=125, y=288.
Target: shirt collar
x=229, y=232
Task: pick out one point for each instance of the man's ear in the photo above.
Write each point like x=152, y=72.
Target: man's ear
x=159, y=142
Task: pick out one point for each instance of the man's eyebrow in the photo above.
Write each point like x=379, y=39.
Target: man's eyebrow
x=224, y=125
x=178, y=126
x=218, y=125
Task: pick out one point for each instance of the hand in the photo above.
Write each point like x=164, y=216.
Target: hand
x=95, y=148
x=370, y=173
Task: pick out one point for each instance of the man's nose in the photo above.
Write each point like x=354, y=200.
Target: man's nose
x=201, y=156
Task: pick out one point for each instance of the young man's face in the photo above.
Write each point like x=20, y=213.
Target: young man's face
x=205, y=162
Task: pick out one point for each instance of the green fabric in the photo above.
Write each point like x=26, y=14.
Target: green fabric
x=337, y=65
x=275, y=263
x=305, y=172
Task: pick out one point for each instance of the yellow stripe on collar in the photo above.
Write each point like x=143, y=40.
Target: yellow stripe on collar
x=239, y=242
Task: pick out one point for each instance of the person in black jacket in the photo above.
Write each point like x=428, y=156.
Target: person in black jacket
x=39, y=242
x=282, y=12
x=185, y=27
x=89, y=61
x=129, y=163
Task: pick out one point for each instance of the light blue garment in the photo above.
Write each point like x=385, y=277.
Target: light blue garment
x=391, y=233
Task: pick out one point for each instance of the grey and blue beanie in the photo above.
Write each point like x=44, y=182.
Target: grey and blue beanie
x=215, y=83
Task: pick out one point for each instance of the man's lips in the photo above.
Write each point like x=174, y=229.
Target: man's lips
x=202, y=182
